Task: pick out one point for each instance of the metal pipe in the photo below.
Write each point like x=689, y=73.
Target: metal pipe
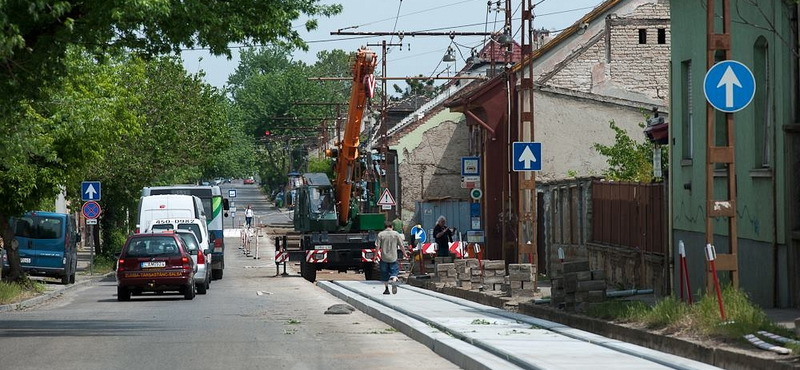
x=611, y=294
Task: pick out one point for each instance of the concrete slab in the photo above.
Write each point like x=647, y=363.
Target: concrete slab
x=454, y=350
x=526, y=342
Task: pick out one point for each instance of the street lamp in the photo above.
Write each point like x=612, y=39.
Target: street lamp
x=449, y=57
x=505, y=38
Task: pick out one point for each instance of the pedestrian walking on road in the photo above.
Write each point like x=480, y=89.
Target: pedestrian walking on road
x=248, y=216
x=443, y=236
x=388, y=242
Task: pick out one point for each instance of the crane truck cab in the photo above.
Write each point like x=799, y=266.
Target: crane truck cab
x=326, y=244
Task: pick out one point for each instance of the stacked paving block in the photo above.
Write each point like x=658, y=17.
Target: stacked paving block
x=465, y=268
x=446, y=274
x=494, y=273
x=521, y=278
x=576, y=287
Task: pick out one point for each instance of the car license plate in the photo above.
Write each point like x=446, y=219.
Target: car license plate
x=153, y=264
x=25, y=260
x=323, y=247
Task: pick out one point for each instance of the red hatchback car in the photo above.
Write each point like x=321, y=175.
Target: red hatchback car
x=157, y=263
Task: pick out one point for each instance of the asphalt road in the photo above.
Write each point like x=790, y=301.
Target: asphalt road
x=263, y=210
x=248, y=320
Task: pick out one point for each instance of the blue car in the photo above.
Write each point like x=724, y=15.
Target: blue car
x=47, y=245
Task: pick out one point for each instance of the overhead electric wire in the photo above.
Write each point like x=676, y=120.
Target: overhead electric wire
x=407, y=14
x=428, y=30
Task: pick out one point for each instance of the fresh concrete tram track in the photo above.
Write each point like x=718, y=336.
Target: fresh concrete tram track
x=476, y=336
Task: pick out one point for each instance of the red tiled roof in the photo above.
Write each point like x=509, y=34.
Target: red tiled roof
x=494, y=50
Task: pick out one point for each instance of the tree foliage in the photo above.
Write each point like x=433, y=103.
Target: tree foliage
x=114, y=108
x=271, y=92
x=417, y=88
x=35, y=35
x=627, y=159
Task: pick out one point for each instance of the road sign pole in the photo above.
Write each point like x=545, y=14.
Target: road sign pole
x=91, y=249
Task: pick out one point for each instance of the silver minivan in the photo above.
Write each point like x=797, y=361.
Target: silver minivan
x=195, y=236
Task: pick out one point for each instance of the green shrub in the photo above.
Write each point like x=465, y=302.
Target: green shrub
x=12, y=292
x=9, y=292
x=103, y=264
x=742, y=316
x=666, y=313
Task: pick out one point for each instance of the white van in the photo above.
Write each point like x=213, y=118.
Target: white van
x=156, y=207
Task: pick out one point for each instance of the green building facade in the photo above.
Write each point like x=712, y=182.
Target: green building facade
x=766, y=148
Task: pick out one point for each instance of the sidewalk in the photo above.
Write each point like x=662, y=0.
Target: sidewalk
x=784, y=316
x=54, y=288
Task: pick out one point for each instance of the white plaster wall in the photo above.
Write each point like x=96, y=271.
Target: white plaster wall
x=568, y=127
x=430, y=160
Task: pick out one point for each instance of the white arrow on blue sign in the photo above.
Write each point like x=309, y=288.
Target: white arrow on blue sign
x=729, y=86
x=419, y=233
x=527, y=156
x=90, y=190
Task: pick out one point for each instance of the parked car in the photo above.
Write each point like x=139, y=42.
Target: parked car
x=155, y=262
x=47, y=245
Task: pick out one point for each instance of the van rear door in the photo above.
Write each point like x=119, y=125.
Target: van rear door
x=42, y=241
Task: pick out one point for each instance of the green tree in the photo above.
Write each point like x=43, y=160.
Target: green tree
x=417, y=88
x=184, y=130
x=271, y=92
x=52, y=141
x=43, y=147
x=35, y=35
x=627, y=159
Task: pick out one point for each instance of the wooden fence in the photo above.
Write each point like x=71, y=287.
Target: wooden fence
x=629, y=215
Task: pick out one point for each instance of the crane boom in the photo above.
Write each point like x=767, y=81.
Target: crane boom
x=363, y=85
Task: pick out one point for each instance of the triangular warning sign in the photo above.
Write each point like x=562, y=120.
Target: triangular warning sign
x=386, y=199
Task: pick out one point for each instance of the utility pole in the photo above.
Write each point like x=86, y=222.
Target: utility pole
x=384, y=149
x=720, y=154
x=527, y=198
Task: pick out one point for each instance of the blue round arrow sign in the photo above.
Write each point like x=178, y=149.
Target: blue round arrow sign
x=419, y=233
x=729, y=86
x=90, y=209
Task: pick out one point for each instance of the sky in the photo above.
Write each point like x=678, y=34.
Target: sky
x=418, y=55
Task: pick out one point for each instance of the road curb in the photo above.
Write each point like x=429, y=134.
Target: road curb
x=49, y=295
x=444, y=345
x=724, y=358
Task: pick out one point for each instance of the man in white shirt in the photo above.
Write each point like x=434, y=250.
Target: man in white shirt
x=388, y=242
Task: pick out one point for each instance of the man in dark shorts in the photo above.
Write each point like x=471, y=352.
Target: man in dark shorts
x=388, y=242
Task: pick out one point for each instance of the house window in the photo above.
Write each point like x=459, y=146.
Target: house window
x=686, y=103
x=662, y=36
x=762, y=104
x=642, y=36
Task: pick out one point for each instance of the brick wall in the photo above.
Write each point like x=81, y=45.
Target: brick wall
x=616, y=64
x=432, y=168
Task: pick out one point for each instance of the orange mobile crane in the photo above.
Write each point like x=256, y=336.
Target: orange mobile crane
x=335, y=235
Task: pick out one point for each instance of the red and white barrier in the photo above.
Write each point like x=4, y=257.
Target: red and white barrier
x=376, y=255
x=317, y=256
x=457, y=248
x=281, y=256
